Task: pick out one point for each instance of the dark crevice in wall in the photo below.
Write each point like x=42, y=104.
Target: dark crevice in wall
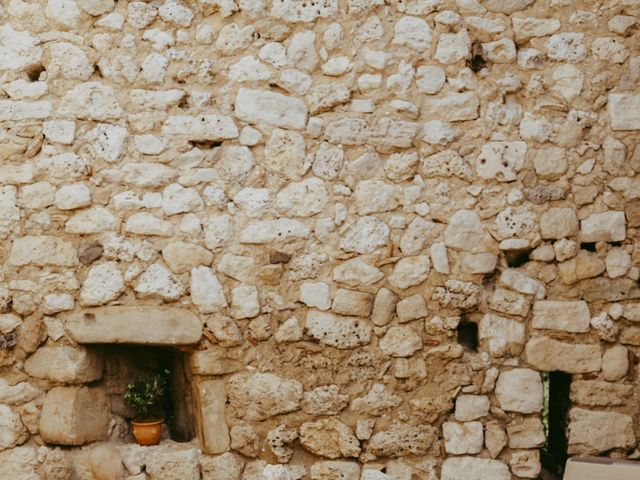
x=555, y=418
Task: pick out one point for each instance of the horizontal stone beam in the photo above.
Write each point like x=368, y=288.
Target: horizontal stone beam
x=145, y=325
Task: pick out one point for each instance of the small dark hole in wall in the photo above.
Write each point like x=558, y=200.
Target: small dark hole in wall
x=477, y=62
x=615, y=244
x=555, y=419
x=205, y=144
x=34, y=73
x=589, y=246
x=468, y=335
x=517, y=259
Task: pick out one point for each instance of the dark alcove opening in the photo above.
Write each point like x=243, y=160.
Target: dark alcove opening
x=555, y=418
x=126, y=363
x=467, y=333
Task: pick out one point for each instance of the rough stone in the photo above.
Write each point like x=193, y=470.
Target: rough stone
x=65, y=364
x=570, y=316
x=337, y=331
x=548, y=355
x=329, y=438
x=593, y=432
x=520, y=390
x=262, y=395
x=472, y=468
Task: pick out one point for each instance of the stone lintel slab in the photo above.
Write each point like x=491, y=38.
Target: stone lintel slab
x=143, y=325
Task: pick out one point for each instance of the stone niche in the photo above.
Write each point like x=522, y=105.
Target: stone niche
x=117, y=345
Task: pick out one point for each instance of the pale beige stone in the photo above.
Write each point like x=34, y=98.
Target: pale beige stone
x=520, y=390
x=615, y=363
x=570, y=316
x=329, y=438
x=74, y=416
x=592, y=432
x=547, y=354
x=260, y=396
x=65, y=364
x=473, y=468
x=211, y=398
x=526, y=433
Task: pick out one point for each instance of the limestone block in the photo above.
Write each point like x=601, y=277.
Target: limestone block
x=412, y=32
x=410, y=271
x=570, y=316
x=329, y=438
x=173, y=461
x=157, y=281
x=206, y=290
x=227, y=466
x=377, y=400
x=511, y=303
x=596, y=393
x=522, y=283
x=558, y=223
x=259, y=396
x=19, y=49
x=461, y=438
x=567, y=47
x=92, y=220
x=473, y=468
x=356, y=272
x=502, y=336
x=531, y=27
x=19, y=393
x=582, y=266
x=603, y=227
x=177, y=199
x=144, y=325
x=623, y=111
x=42, y=250
x=501, y=160
x=73, y=196
x=373, y=196
x=384, y=306
x=446, y=163
x=65, y=364
x=96, y=7
x=453, y=47
x=327, y=470
x=526, y=433
x=495, y=438
x=326, y=400
x=292, y=11
x=465, y=231
x=593, y=432
x=244, y=302
x=74, y=416
x=91, y=101
x=520, y=390
x=213, y=361
x=211, y=398
x=23, y=110
x=365, y=235
x=352, y=302
x=302, y=199
x=547, y=354
x=12, y=431
x=615, y=363
x=144, y=223
x=338, y=331
x=213, y=128
x=411, y=308
x=525, y=463
x=20, y=462
x=401, y=439
x=104, y=283
x=471, y=407
x=280, y=230
x=181, y=257
x=454, y=107
x=147, y=174
x=400, y=341
x=261, y=106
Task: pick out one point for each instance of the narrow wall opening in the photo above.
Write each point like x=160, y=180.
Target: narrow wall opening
x=126, y=363
x=467, y=334
x=555, y=418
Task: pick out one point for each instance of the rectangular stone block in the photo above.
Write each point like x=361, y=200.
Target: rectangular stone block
x=21, y=110
x=548, y=355
x=203, y=127
x=213, y=432
x=569, y=316
x=454, y=107
x=213, y=362
x=593, y=432
x=135, y=325
x=624, y=111
x=75, y=416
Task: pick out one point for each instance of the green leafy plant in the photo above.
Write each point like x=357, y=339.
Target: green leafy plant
x=147, y=396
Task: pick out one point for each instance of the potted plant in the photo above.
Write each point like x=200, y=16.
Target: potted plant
x=147, y=396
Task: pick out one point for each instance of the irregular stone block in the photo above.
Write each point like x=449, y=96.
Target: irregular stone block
x=23, y=110
x=213, y=128
x=265, y=107
x=338, y=331
x=262, y=395
x=339, y=470
x=526, y=433
x=74, y=416
x=454, y=107
x=65, y=364
x=501, y=160
x=20, y=462
x=280, y=230
x=293, y=11
x=211, y=398
x=502, y=335
x=548, y=355
x=12, y=431
x=91, y=101
x=603, y=227
x=329, y=438
x=42, y=250
x=593, y=432
x=135, y=325
x=461, y=438
x=20, y=50
x=596, y=393
x=520, y=390
x=624, y=111
x=402, y=439
x=570, y=316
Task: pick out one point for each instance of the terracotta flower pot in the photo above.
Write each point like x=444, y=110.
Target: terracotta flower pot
x=147, y=433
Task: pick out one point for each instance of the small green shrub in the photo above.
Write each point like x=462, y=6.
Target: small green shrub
x=147, y=396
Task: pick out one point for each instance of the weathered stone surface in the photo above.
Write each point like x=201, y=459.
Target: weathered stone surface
x=329, y=438
x=65, y=364
x=462, y=438
x=547, y=354
x=472, y=468
x=520, y=390
x=262, y=395
x=615, y=363
x=227, y=466
x=206, y=290
x=261, y=106
x=325, y=400
x=603, y=227
x=137, y=325
x=339, y=470
x=376, y=401
x=74, y=416
x=400, y=341
x=12, y=431
x=410, y=271
x=104, y=283
x=20, y=462
x=401, y=439
x=42, y=250
x=596, y=393
x=593, y=432
x=211, y=399
x=623, y=111
x=338, y=331
x=266, y=231
x=503, y=336
x=570, y=316
x=351, y=302
x=471, y=407
x=357, y=272
x=181, y=257
x=526, y=433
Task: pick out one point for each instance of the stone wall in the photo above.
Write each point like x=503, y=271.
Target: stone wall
x=321, y=202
